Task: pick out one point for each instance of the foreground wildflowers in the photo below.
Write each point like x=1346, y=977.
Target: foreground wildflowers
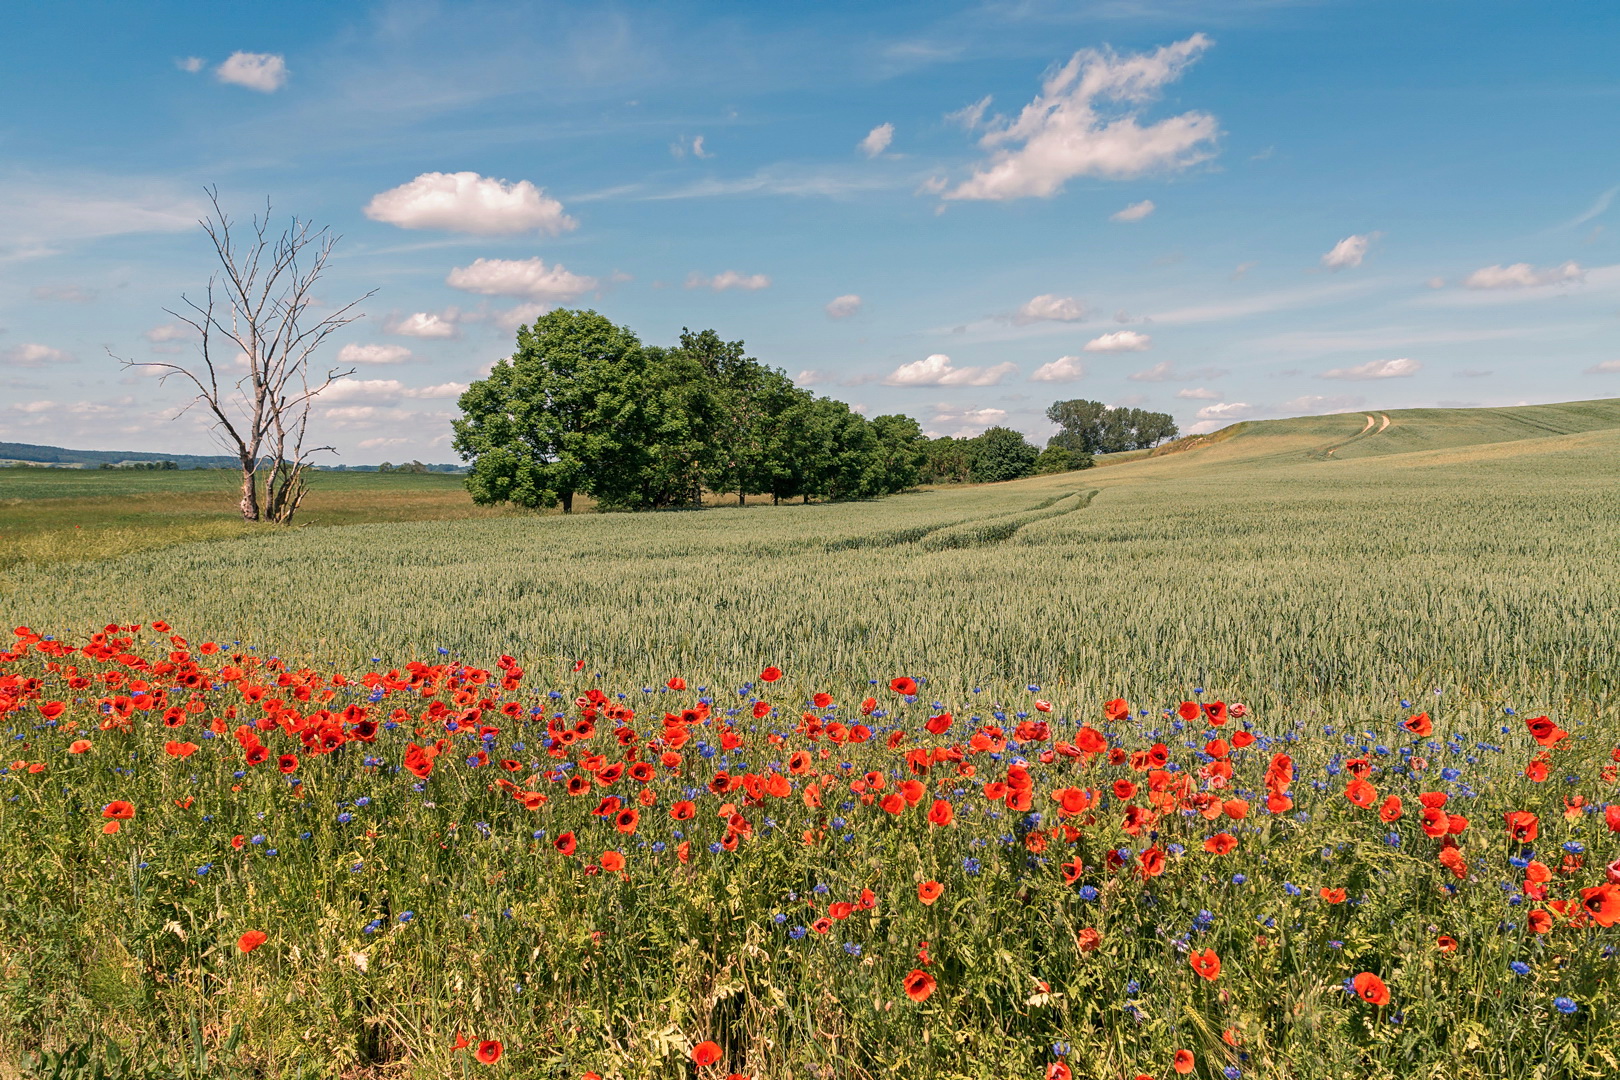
x=758, y=879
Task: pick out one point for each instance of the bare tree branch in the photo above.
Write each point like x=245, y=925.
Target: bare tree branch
x=266, y=287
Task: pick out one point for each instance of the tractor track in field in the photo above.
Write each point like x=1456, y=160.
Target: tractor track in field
x=1367, y=430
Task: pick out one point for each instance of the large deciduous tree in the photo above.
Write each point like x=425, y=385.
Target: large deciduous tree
x=559, y=417
x=256, y=339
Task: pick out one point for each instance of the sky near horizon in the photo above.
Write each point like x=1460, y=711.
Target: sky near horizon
x=958, y=211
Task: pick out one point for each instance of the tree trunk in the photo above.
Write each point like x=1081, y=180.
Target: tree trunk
x=742, y=500
x=568, y=502
x=250, y=494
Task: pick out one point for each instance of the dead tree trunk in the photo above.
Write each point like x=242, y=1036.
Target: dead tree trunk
x=256, y=327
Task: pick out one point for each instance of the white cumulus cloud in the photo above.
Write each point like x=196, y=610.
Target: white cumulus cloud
x=527, y=278
x=1134, y=212
x=937, y=370
x=1119, y=341
x=811, y=377
x=964, y=422
x=468, y=203
x=1063, y=134
x=1198, y=393
x=1607, y=367
x=1523, y=276
x=32, y=355
x=387, y=391
x=1348, y=252
x=264, y=72
x=175, y=331
x=1226, y=410
x=877, y=140
x=842, y=307
x=1375, y=369
x=728, y=279
x=422, y=324
x=1063, y=369
x=190, y=64
x=373, y=354
x=1047, y=307
x=1163, y=371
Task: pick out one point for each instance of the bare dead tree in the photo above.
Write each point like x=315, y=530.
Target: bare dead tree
x=255, y=349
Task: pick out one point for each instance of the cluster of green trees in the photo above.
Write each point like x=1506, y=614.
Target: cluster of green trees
x=1090, y=427
x=141, y=466
x=997, y=454
x=583, y=407
x=1087, y=428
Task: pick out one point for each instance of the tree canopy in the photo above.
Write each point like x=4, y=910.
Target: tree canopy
x=584, y=407
x=1091, y=427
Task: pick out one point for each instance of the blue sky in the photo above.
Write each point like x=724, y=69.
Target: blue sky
x=958, y=211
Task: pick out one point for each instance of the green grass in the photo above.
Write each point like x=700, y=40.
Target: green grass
x=1470, y=553
x=50, y=516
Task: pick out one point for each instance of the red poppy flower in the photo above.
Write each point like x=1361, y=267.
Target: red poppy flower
x=1216, y=711
x=1361, y=793
x=762, y=709
x=1522, y=825
x=1602, y=903
x=1333, y=896
x=118, y=810
x=822, y=925
x=822, y=700
x=461, y=1042
x=940, y=724
x=1391, y=809
x=705, y=1054
x=287, y=763
x=1370, y=988
x=1221, y=844
x=625, y=820
x=918, y=985
x=565, y=843
x=941, y=813
x=770, y=674
x=1124, y=789
x=893, y=802
x=489, y=1051
x=1116, y=709
x=1240, y=739
x=1446, y=943
x=1183, y=1062
x=79, y=746
x=1545, y=732
x=1611, y=817
x=1206, y=964
x=612, y=862
x=1057, y=1070
x=251, y=940
x=1539, y=921
x=1188, y=710
x=904, y=685
x=676, y=683
x=1088, y=939
x=1419, y=725
x=929, y=891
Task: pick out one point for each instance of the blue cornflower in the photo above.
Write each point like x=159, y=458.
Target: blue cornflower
x=1519, y=967
x=797, y=932
x=1564, y=1005
x=406, y=916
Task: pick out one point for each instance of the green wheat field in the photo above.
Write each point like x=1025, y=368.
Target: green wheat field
x=1337, y=576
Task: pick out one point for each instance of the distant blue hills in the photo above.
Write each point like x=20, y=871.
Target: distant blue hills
x=60, y=457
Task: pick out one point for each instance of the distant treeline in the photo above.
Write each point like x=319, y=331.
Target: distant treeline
x=583, y=407
x=56, y=455
x=1086, y=428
